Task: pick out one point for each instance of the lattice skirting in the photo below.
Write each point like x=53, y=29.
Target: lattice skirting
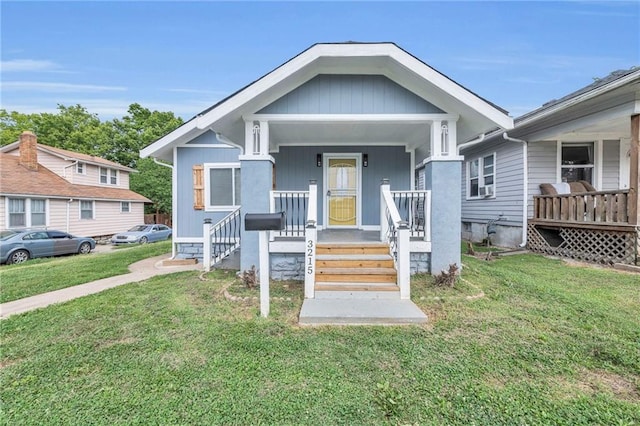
x=590, y=245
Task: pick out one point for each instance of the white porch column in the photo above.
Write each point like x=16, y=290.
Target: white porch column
x=256, y=137
x=436, y=136
x=311, y=238
x=264, y=138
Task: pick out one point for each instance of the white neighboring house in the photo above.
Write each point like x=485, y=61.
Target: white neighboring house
x=585, y=145
x=43, y=186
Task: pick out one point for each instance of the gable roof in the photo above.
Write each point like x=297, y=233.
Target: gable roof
x=17, y=180
x=612, y=81
x=73, y=156
x=387, y=59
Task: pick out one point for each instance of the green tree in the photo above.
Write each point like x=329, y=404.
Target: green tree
x=118, y=140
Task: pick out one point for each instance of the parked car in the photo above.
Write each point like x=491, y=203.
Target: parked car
x=20, y=246
x=142, y=234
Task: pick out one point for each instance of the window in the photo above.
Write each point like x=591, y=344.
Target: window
x=108, y=176
x=481, y=177
x=577, y=162
x=125, y=206
x=80, y=168
x=26, y=212
x=38, y=213
x=86, y=209
x=223, y=186
x=17, y=213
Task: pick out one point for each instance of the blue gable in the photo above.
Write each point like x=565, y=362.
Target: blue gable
x=350, y=94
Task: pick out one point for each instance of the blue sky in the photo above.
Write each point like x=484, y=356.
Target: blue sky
x=185, y=56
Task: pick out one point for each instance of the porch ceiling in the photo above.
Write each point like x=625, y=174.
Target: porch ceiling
x=352, y=133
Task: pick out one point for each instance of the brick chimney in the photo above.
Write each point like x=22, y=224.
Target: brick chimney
x=28, y=150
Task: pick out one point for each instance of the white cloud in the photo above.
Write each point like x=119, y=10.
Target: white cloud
x=57, y=87
x=24, y=65
x=199, y=91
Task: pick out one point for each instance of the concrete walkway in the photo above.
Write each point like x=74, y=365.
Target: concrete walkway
x=140, y=271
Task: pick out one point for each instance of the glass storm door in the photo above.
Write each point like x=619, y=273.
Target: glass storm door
x=342, y=192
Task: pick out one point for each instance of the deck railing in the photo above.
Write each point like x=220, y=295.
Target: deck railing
x=601, y=207
x=220, y=239
x=295, y=205
x=414, y=208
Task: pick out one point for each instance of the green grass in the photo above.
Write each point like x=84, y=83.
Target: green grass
x=42, y=275
x=520, y=340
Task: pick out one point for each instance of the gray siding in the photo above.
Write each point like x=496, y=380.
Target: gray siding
x=508, y=189
x=542, y=167
x=295, y=166
x=350, y=94
x=189, y=221
x=610, y=165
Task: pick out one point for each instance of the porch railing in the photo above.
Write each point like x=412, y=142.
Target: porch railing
x=220, y=239
x=414, y=208
x=311, y=240
x=601, y=208
x=395, y=231
x=295, y=205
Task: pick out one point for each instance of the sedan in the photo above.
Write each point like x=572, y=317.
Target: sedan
x=143, y=234
x=20, y=246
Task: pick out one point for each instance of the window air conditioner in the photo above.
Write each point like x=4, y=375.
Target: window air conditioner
x=486, y=191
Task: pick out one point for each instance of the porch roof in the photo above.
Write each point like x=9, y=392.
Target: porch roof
x=226, y=117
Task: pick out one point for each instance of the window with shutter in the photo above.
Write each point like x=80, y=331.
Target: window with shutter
x=198, y=187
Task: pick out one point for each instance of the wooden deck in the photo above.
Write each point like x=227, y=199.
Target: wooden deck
x=591, y=226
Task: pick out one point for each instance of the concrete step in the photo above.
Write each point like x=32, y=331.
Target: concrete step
x=355, y=286
x=360, y=312
x=357, y=294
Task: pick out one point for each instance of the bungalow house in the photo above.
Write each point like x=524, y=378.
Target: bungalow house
x=564, y=180
x=43, y=186
x=355, y=143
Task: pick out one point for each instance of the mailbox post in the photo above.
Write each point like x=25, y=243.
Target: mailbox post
x=264, y=222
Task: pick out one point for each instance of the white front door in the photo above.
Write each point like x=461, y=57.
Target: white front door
x=342, y=206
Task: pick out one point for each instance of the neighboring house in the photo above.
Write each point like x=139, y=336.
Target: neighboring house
x=43, y=186
x=590, y=135
x=315, y=138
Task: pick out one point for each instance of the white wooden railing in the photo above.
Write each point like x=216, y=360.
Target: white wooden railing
x=395, y=231
x=220, y=239
x=310, y=242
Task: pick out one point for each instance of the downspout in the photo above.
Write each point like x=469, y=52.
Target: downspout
x=160, y=163
x=64, y=169
x=223, y=138
x=525, y=184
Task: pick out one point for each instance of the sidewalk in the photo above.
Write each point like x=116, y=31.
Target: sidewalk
x=140, y=271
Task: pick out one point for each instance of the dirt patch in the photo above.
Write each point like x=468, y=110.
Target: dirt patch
x=592, y=382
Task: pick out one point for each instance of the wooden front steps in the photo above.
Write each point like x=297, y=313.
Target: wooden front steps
x=355, y=270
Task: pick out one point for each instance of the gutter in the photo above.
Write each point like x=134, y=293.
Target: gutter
x=525, y=184
x=471, y=142
x=160, y=163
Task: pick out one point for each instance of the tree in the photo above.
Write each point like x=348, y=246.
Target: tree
x=119, y=140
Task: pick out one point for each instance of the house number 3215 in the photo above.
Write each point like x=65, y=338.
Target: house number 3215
x=310, y=257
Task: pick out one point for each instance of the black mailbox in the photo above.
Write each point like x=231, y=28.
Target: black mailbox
x=264, y=221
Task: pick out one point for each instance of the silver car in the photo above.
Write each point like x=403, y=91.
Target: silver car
x=20, y=246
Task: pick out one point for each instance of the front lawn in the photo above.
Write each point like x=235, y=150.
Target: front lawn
x=522, y=340
x=42, y=275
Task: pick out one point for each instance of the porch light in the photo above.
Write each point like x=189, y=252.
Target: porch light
x=365, y=160
x=319, y=160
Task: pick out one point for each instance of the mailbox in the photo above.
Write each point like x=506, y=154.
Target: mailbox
x=264, y=221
